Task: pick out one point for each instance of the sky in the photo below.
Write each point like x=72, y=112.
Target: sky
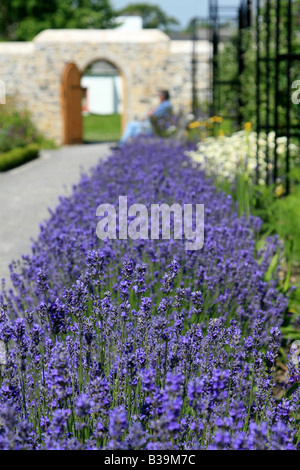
x=182, y=10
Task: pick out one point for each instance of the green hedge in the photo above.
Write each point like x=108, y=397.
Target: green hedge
x=18, y=156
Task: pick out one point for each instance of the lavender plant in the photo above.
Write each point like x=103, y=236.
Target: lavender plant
x=140, y=344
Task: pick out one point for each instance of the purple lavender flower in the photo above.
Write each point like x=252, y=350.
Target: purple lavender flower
x=139, y=344
x=117, y=422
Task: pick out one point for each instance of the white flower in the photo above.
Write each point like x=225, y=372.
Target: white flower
x=238, y=152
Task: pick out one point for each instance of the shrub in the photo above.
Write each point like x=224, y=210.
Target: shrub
x=17, y=128
x=18, y=156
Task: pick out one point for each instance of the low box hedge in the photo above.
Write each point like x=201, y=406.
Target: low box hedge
x=18, y=156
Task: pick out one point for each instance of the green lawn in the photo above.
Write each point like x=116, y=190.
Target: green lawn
x=102, y=128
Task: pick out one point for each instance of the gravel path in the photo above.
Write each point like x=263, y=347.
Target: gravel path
x=27, y=192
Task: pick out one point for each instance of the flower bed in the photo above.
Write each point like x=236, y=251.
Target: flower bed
x=141, y=344
x=225, y=156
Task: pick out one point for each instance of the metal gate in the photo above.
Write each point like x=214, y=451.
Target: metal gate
x=277, y=66
x=241, y=16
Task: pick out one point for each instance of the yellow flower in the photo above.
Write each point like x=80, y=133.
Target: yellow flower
x=194, y=124
x=248, y=126
x=221, y=133
x=216, y=119
x=279, y=190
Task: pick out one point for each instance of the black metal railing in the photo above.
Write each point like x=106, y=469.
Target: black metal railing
x=241, y=19
x=276, y=59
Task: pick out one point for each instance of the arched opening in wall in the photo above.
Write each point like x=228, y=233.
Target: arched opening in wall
x=102, y=102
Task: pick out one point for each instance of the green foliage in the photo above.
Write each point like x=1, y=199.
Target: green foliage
x=18, y=156
x=17, y=128
x=282, y=216
x=280, y=213
x=153, y=16
x=201, y=24
x=19, y=138
x=227, y=95
x=22, y=21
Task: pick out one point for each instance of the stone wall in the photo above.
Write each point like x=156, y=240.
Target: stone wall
x=147, y=60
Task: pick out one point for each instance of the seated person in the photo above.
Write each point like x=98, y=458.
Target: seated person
x=135, y=128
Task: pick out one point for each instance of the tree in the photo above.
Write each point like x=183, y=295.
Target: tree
x=153, y=16
x=22, y=21
x=201, y=24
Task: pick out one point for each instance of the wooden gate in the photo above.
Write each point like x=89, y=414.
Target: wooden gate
x=71, y=100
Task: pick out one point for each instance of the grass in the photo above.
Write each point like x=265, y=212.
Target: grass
x=101, y=128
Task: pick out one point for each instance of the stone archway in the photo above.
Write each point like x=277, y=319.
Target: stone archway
x=112, y=63
x=39, y=72
x=71, y=98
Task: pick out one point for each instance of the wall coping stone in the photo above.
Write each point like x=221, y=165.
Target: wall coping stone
x=95, y=36
x=186, y=47
x=16, y=47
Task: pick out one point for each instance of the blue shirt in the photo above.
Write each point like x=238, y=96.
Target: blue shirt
x=163, y=108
